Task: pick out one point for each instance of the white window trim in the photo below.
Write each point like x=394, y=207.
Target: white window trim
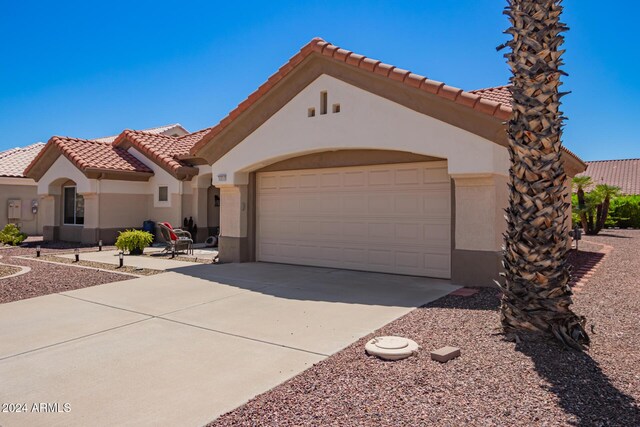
x=64, y=195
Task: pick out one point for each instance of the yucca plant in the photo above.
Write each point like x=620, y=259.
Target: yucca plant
x=536, y=294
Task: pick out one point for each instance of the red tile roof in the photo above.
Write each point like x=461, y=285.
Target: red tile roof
x=164, y=150
x=499, y=94
x=320, y=47
x=494, y=101
x=92, y=155
x=624, y=173
x=14, y=161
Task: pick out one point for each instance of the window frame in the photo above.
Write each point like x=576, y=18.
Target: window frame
x=75, y=206
x=159, y=200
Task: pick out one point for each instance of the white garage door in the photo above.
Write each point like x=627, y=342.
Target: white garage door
x=384, y=218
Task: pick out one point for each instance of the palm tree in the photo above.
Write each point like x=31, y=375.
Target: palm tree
x=593, y=207
x=582, y=182
x=604, y=193
x=536, y=294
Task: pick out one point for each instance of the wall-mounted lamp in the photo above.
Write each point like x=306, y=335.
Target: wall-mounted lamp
x=222, y=177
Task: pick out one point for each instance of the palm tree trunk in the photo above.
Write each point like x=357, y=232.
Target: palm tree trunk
x=603, y=212
x=582, y=205
x=536, y=295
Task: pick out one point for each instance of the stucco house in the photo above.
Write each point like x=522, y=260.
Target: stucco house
x=338, y=160
x=91, y=189
x=18, y=193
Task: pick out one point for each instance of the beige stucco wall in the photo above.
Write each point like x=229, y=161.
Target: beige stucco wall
x=123, y=210
x=480, y=203
x=25, y=190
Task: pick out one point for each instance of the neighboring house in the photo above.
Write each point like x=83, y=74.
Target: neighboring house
x=175, y=129
x=91, y=189
x=623, y=173
x=338, y=160
x=18, y=195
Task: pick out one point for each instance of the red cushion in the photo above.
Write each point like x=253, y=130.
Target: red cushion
x=171, y=233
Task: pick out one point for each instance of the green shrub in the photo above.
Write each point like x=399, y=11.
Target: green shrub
x=133, y=240
x=625, y=212
x=11, y=235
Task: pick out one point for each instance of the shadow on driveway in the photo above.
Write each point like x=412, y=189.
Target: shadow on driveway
x=323, y=284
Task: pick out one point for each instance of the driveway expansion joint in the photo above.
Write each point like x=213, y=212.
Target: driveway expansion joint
x=70, y=340
x=160, y=316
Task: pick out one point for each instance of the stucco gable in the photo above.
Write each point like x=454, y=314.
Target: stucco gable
x=466, y=110
x=364, y=121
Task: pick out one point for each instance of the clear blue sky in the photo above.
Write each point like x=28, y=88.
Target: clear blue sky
x=90, y=69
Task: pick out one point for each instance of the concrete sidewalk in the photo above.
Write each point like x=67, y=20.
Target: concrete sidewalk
x=139, y=261
x=183, y=347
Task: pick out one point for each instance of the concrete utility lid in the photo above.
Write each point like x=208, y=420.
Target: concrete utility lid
x=391, y=348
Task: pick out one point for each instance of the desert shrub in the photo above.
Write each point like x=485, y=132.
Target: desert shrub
x=11, y=235
x=133, y=240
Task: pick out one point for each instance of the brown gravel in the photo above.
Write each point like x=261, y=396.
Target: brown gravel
x=494, y=382
x=7, y=270
x=45, y=278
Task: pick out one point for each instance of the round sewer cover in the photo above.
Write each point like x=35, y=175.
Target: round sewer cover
x=391, y=348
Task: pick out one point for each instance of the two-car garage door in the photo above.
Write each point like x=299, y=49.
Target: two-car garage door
x=384, y=218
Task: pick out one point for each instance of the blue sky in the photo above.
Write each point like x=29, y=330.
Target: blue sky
x=89, y=69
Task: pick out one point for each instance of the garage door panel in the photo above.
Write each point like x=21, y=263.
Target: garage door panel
x=409, y=259
x=380, y=204
x=408, y=176
x=432, y=176
x=355, y=179
x=384, y=218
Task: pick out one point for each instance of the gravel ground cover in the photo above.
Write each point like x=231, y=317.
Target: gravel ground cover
x=45, y=278
x=7, y=270
x=494, y=382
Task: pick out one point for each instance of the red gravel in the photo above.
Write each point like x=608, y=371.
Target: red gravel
x=494, y=382
x=45, y=278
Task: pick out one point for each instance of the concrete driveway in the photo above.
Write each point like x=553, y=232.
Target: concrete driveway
x=183, y=347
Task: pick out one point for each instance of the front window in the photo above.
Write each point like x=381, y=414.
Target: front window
x=163, y=193
x=73, y=207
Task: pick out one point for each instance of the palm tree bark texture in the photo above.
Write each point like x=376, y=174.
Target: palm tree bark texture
x=536, y=295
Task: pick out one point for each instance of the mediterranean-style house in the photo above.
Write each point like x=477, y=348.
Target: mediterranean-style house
x=338, y=160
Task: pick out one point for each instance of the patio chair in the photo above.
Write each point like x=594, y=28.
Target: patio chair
x=177, y=239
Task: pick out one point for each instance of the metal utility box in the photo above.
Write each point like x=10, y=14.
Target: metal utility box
x=15, y=209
